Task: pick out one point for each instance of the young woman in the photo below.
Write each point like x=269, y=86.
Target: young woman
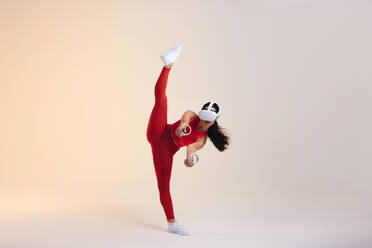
x=166, y=139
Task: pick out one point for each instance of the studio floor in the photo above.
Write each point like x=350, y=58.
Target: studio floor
x=115, y=227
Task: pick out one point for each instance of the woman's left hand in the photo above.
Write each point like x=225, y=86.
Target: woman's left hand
x=187, y=163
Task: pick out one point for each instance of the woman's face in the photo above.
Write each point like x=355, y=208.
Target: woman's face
x=204, y=125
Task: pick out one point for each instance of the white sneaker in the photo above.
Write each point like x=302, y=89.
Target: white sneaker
x=171, y=56
x=177, y=228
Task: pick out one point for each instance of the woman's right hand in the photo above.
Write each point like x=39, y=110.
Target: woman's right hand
x=188, y=163
x=183, y=126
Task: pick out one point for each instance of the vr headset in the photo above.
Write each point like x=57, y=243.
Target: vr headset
x=208, y=114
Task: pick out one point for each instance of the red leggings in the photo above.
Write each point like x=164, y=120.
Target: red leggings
x=163, y=148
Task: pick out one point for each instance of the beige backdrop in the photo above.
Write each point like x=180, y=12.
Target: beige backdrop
x=293, y=82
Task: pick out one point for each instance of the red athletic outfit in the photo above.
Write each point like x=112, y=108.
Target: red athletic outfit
x=163, y=144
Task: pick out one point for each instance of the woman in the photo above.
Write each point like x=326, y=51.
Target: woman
x=166, y=139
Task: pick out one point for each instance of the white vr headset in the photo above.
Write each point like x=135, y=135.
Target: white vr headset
x=208, y=114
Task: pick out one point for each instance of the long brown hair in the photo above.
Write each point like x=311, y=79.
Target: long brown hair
x=216, y=133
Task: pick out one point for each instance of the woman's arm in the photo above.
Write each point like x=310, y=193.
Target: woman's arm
x=198, y=144
x=188, y=116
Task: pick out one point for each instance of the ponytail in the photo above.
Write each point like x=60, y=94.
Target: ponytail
x=218, y=136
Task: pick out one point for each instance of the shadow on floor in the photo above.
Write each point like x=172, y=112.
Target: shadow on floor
x=125, y=217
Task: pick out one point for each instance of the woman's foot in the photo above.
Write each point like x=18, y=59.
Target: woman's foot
x=174, y=227
x=171, y=56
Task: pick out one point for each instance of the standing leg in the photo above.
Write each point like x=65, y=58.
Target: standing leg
x=163, y=160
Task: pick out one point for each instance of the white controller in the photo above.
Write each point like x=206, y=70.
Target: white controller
x=183, y=132
x=191, y=158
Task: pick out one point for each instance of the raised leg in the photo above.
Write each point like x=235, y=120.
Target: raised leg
x=159, y=118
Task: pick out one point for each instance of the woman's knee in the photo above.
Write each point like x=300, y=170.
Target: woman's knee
x=161, y=104
x=163, y=188
x=164, y=195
